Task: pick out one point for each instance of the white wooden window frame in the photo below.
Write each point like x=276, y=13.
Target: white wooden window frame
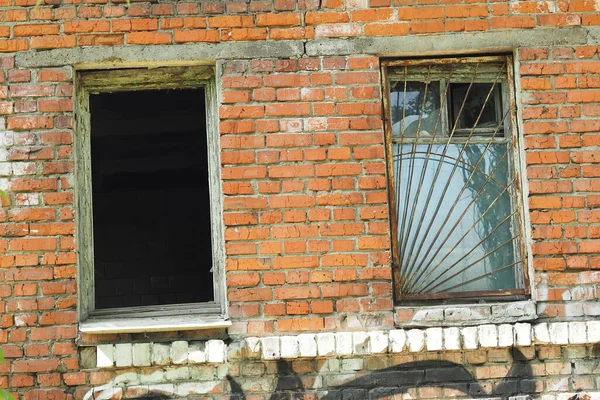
x=211, y=314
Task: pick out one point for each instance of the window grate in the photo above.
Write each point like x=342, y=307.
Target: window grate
x=457, y=222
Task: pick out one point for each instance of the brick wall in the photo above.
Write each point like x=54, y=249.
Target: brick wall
x=305, y=203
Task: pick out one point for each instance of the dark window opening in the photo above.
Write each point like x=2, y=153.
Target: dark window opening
x=150, y=192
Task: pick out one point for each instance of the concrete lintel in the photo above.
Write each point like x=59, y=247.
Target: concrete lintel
x=183, y=54
x=409, y=45
x=449, y=43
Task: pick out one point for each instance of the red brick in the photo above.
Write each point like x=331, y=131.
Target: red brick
x=149, y=38
x=52, y=42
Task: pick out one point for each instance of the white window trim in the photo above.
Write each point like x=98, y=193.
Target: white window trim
x=151, y=318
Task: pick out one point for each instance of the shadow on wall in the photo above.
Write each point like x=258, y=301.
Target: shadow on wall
x=397, y=379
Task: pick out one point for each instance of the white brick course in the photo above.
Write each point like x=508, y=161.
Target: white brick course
x=452, y=338
x=506, y=335
x=197, y=352
x=523, y=334
x=123, y=354
x=141, y=354
x=179, y=352
x=469, y=337
x=361, y=342
x=397, y=340
x=488, y=335
x=326, y=344
x=105, y=355
x=541, y=334
x=559, y=332
x=289, y=347
x=307, y=345
x=577, y=333
x=347, y=344
x=434, y=339
x=343, y=343
x=270, y=348
x=215, y=351
x=379, y=342
x=415, y=339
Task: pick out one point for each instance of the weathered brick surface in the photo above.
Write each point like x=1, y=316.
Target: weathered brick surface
x=306, y=210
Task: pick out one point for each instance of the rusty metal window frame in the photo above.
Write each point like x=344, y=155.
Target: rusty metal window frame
x=398, y=70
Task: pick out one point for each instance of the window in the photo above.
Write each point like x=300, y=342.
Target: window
x=149, y=222
x=454, y=179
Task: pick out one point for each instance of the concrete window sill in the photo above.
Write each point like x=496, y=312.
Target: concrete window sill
x=465, y=314
x=99, y=325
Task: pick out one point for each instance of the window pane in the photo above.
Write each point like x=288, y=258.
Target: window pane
x=456, y=223
x=150, y=192
x=476, y=105
x=414, y=103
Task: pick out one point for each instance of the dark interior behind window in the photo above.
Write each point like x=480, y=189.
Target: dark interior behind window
x=152, y=231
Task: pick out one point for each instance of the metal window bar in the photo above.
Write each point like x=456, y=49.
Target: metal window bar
x=455, y=186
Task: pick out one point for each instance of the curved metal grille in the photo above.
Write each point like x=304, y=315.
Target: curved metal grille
x=456, y=207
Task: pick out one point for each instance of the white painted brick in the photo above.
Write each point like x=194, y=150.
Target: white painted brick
x=270, y=348
x=215, y=351
x=197, y=352
x=159, y=388
x=318, y=382
x=105, y=355
x=5, y=169
x=452, y=338
x=506, y=335
x=128, y=378
x=187, y=388
x=593, y=331
x=307, y=345
x=123, y=354
x=155, y=377
x=577, y=333
x=540, y=333
x=27, y=199
x=253, y=347
x=469, y=337
x=434, y=339
x=179, y=352
x=289, y=347
x=161, y=354
x=6, y=138
x=379, y=342
x=326, y=344
x=361, y=342
x=235, y=350
x=203, y=372
x=179, y=373
x=223, y=370
x=397, y=340
x=352, y=364
x=141, y=354
x=107, y=393
x=559, y=332
x=488, y=335
x=343, y=343
x=24, y=168
x=415, y=339
x=522, y=334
